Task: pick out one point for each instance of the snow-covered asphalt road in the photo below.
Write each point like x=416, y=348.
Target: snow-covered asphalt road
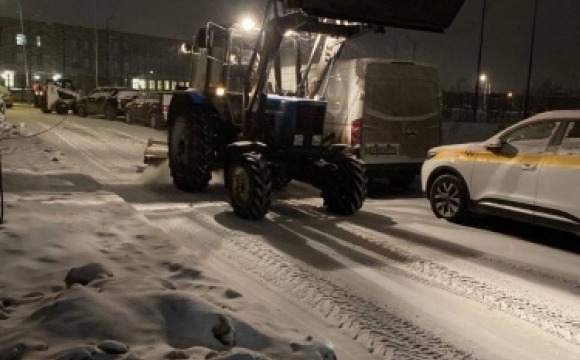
x=390, y=282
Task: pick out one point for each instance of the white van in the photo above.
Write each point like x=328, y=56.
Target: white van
x=389, y=111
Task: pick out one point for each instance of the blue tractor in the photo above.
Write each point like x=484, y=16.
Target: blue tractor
x=242, y=114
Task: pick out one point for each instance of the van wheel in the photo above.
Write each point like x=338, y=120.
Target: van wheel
x=449, y=198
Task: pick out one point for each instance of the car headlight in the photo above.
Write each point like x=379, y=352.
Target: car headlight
x=431, y=154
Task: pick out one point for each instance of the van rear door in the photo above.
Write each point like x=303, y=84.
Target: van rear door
x=402, y=112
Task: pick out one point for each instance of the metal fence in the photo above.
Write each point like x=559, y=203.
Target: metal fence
x=500, y=107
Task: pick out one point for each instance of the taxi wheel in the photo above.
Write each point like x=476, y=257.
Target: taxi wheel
x=449, y=198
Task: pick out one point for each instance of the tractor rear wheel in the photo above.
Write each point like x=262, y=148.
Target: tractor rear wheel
x=250, y=186
x=347, y=191
x=190, y=154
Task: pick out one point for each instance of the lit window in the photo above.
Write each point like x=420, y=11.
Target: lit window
x=20, y=39
x=151, y=84
x=38, y=41
x=8, y=77
x=138, y=84
x=167, y=85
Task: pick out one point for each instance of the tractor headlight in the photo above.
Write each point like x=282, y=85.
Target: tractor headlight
x=220, y=91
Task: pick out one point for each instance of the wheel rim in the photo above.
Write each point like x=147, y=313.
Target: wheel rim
x=240, y=185
x=447, y=199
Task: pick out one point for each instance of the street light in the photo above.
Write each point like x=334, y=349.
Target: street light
x=108, y=42
x=479, y=55
x=27, y=75
x=248, y=23
x=486, y=88
x=531, y=62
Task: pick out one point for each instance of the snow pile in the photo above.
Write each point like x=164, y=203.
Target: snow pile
x=84, y=276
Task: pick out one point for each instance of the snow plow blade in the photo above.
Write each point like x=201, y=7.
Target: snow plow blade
x=427, y=15
x=156, y=151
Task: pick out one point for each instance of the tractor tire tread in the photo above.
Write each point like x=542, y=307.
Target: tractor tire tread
x=350, y=190
x=194, y=178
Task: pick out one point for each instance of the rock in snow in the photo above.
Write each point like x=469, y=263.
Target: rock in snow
x=19, y=350
x=113, y=347
x=240, y=354
x=176, y=354
x=85, y=274
x=224, y=332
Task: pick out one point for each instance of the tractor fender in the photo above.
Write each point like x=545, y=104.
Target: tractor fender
x=187, y=102
x=333, y=150
x=238, y=148
x=192, y=102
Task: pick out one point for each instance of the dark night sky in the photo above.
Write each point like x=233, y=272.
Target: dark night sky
x=506, y=45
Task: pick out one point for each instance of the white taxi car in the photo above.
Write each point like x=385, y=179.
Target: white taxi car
x=529, y=172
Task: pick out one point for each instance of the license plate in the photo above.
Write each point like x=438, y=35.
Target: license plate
x=382, y=149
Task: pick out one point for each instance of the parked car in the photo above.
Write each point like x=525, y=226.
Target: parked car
x=108, y=101
x=7, y=96
x=149, y=108
x=529, y=172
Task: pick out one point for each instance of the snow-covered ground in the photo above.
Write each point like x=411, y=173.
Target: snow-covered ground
x=183, y=277
x=132, y=293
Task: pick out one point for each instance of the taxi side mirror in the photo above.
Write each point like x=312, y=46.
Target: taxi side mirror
x=495, y=145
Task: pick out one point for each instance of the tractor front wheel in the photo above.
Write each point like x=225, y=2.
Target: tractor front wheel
x=190, y=154
x=250, y=186
x=346, y=191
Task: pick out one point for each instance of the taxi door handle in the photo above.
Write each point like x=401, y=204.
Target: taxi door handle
x=530, y=167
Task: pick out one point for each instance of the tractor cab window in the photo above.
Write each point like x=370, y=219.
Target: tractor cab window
x=242, y=49
x=217, y=53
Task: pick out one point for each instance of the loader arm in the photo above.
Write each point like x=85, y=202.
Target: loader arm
x=347, y=18
x=426, y=15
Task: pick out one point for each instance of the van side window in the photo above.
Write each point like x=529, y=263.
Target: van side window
x=571, y=143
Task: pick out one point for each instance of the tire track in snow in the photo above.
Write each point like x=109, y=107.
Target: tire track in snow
x=544, y=315
x=380, y=329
